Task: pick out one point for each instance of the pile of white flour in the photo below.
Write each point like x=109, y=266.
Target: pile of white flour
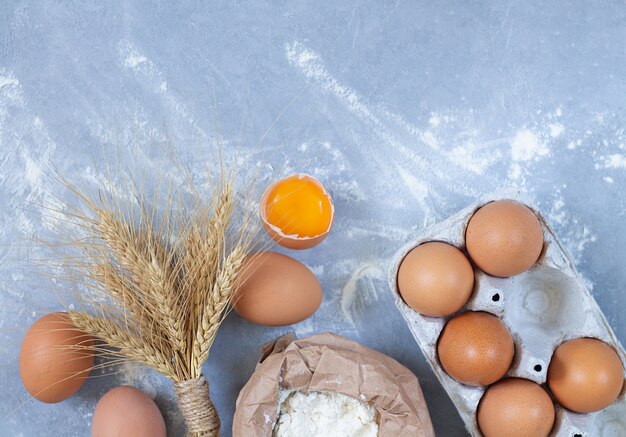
x=319, y=414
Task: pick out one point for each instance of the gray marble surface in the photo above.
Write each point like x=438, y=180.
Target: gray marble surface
x=407, y=111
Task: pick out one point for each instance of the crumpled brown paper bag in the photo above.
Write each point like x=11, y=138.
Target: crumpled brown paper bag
x=329, y=362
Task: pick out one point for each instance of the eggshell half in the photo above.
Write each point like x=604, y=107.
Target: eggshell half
x=295, y=242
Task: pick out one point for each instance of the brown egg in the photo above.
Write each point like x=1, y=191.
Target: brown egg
x=585, y=375
x=276, y=290
x=475, y=348
x=435, y=279
x=127, y=412
x=515, y=407
x=51, y=367
x=504, y=238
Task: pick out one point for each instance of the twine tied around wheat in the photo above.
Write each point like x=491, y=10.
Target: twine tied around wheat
x=196, y=407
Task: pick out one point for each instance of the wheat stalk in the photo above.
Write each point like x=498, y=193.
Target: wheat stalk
x=160, y=288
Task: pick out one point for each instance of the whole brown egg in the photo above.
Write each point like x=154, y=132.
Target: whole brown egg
x=125, y=411
x=585, y=375
x=55, y=358
x=504, y=238
x=515, y=407
x=435, y=279
x=475, y=348
x=276, y=290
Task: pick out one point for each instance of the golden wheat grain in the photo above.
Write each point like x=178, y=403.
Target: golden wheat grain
x=220, y=297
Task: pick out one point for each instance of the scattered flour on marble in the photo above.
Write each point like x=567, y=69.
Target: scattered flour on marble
x=430, y=163
x=29, y=184
x=434, y=120
x=418, y=189
x=10, y=90
x=305, y=328
x=426, y=136
x=474, y=157
x=311, y=65
x=575, y=236
x=33, y=171
x=556, y=129
x=148, y=74
x=526, y=145
x=355, y=296
x=558, y=214
x=357, y=229
x=10, y=96
x=616, y=161
x=133, y=60
x=139, y=377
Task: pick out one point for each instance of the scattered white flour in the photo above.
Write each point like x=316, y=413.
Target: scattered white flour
x=9, y=84
x=430, y=163
x=149, y=75
x=140, y=377
x=556, y=129
x=133, y=61
x=526, y=146
x=353, y=297
x=388, y=141
x=615, y=161
x=311, y=65
x=33, y=173
x=323, y=414
x=434, y=120
x=558, y=215
x=474, y=157
x=10, y=95
x=573, y=235
x=417, y=188
x=429, y=139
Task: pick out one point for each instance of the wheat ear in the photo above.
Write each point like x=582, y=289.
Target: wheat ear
x=160, y=288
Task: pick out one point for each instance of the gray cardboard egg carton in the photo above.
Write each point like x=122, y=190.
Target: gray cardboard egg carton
x=542, y=308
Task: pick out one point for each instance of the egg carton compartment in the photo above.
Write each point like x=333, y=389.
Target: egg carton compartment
x=542, y=307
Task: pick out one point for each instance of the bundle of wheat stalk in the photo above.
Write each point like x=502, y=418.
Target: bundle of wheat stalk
x=156, y=281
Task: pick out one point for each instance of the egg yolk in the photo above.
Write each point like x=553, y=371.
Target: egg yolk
x=298, y=205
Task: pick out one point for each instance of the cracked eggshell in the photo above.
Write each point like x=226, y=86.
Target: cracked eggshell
x=296, y=242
